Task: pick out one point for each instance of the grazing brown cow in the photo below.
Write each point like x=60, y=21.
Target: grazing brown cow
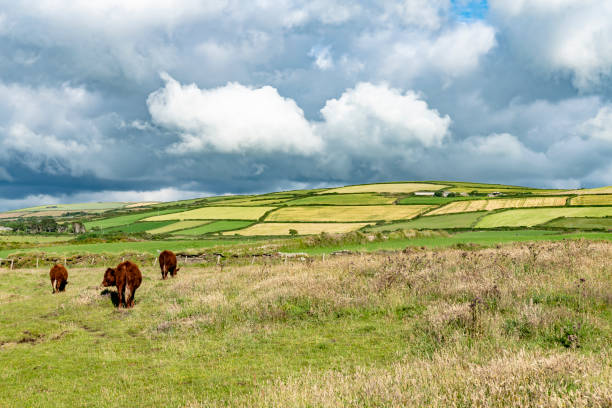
x=125, y=276
x=59, y=278
x=167, y=263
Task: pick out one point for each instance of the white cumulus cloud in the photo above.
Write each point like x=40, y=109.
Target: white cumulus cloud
x=378, y=116
x=560, y=36
x=233, y=118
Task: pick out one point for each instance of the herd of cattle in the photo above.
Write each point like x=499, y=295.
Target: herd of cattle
x=126, y=277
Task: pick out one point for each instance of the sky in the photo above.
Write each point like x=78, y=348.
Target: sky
x=134, y=100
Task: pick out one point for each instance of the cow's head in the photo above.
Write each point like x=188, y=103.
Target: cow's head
x=177, y=269
x=109, y=278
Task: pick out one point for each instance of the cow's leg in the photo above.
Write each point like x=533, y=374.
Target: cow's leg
x=53, y=285
x=120, y=296
x=131, y=299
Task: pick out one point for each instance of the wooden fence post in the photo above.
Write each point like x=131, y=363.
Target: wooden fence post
x=12, y=260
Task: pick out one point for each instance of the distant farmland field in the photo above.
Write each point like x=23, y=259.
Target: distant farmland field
x=347, y=213
x=274, y=228
x=602, y=199
x=343, y=199
x=537, y=216
x=500, y=203
x=386, y=188
x=584, y=222
x=464, y=220
x=125, y=219
x=215, y=226
x=177, y=226
x=216, y=213
x=599, y=190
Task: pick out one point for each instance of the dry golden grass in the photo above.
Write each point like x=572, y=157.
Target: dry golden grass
x=341, y=213
x=141, y=204
x=303, y=228
x=215, y=213
x=467, y=295
x=602, y=199
x=386, y=188
x=496, y=204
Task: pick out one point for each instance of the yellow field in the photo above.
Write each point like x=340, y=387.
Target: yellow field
x=599, y=190
x=489, y=205
x=386, y=188
x=272, y=228
x=602, y=199
x=341, y=213
x=215, y=213
x=177, y=226
x=249, y=202
x=142, y=204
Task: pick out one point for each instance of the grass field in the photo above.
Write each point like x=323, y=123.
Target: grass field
x=464, y=220
x=303, y=228
x=346, y=213
x=386, y=188
x=213, y=227
x=601, y=199
x=344, y=199
x=255, y=202
x=522, y=325
x=500, y=203
x=581, y=223
x=125, y=219
x=138, y=227
x=177, y=226
x=215, y=213
x=537, y=216
x=79, y=207
x=37, y=239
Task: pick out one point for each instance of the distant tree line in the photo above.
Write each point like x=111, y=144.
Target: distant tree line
x=44, y=225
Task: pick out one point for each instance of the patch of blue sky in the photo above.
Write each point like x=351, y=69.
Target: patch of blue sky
x=470, y=9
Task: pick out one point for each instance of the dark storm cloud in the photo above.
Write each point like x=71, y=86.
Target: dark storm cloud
x=293, y=93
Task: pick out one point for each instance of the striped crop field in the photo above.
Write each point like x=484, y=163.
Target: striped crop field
x=215, y=226
x=216, y=213
x=347, y=213
x=386, y=188
x=598, y=199
x=344, y=199
x=303, y=228
x=497, y=204
x=177, y=226
x=537, y=216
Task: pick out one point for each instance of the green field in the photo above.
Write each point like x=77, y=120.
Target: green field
x=125, y=219
x=498, y=327
x=537, y=216
x=343, y=199
x=138, y=227
x=346, y=213
x=177, y=226
x=38, y=239
x=215, y=226
x=601, y=199
x=465, y=220
x=581, y=223
x=216, y=213
x=302, y=228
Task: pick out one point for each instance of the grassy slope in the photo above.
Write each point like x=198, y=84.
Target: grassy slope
x=216, y=213
x=536, y=216
x=602, y=199
x=586, y=223
x=216, y=226
x=125, y=219
x=464, y=220
x=349, y=331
